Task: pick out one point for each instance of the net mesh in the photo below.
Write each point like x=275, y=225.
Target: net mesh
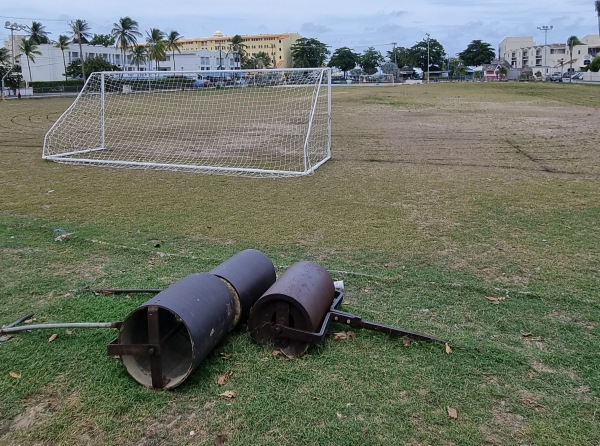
x=265, y=122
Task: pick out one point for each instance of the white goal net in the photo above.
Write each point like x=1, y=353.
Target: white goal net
x=257, y=122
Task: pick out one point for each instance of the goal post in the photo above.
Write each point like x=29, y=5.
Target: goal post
x=239, y=122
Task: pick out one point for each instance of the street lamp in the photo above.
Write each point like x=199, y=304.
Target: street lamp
x=427, y=57
x=545, y=28
x=13, y=27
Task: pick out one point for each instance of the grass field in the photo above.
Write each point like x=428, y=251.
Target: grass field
x=467, y=211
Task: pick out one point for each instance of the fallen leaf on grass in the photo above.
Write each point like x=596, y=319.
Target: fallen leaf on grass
x=493, y=299
x=339, y=415
x=225, y=356
x=282, y=353
x=406, y=341
x=53, y=337
x=448, y=349
x=452, y=413
x=344, y=335
x=222, y=379
x=14, y=374
x=69, y=332
x=229, y=394
x=526, y=335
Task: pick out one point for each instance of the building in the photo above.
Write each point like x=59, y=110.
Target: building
x=200, y=54
x=277, y=46
x=524, y=53
x=492, y=71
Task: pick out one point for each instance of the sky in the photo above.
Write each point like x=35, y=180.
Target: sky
x=357, y=24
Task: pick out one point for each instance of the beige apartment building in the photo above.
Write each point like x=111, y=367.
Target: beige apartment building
x=278, y=46
x=524, y=53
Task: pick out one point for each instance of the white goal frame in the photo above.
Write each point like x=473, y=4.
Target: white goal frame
x=273, y=122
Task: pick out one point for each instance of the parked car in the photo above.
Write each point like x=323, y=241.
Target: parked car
x=554, y=77
x=202, y=83
x=577, y=76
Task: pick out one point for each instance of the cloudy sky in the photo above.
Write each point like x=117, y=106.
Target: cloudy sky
x=358, y=24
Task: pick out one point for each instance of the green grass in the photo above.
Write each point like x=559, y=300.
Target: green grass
x=428, y=207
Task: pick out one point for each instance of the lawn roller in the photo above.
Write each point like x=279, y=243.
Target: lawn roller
x=296, y=310
x=165, y=339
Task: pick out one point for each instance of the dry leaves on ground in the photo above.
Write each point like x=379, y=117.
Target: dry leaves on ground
x=53, y=337
x=229, y=394
x=493, y=299
x=448, y=349
x=344, y=335
x=222, y=379
x=225, y=356
x=15, y=375
x=452, y=413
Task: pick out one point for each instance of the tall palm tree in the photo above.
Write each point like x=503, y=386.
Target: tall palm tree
x=29, y=48
x=172, y=44
x=571, y=42
x=139, y=55
x=80, y=31
x=37, y=33
x=125, y=31
x=156, y=45
x=63, y=44
x=597, y=5
x=238, y=47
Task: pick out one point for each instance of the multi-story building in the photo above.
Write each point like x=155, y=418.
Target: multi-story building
x=277, y=46
x=525, y=53
x=200, y=54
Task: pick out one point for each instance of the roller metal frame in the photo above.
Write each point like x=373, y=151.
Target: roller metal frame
x=334, y=315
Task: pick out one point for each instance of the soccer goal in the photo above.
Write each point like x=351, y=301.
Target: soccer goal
x=257, y=122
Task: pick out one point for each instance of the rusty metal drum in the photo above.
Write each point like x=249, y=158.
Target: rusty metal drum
x=165, y=339
x=299, y=299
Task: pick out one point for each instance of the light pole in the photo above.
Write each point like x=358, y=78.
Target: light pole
x=545, y=28
x=13, y=27
x=427, y=57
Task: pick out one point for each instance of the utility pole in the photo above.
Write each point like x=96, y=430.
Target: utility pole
x=545, y=28
x=394, y=53
x=13, y=27
x=427, y=34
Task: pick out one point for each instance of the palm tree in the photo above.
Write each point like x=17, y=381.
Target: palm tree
x=126, y=32
x=156, y=45
x=139, y=55
x=80, y=31
x=63, y=44
x=29, y=48
x=571, y=42
x=597, y=5
x=37, y=33
x=502, y=72
x=172, y=44
x=238, y=47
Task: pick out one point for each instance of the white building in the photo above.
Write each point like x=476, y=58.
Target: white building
x=50, y=65
x=523, y=52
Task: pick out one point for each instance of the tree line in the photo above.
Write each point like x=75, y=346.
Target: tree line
x=306, y=52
